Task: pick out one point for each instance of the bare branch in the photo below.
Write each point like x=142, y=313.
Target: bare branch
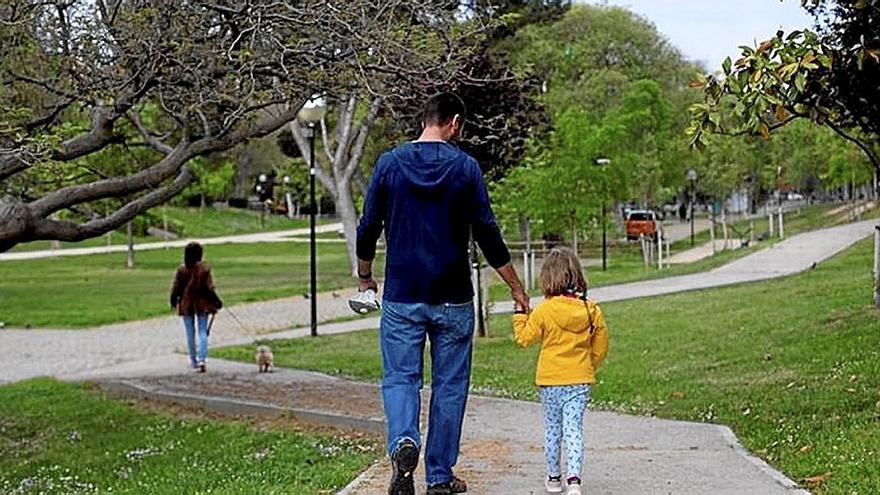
x=71, y=232
x=149, y=138
x=357, y=151
x=115, y=187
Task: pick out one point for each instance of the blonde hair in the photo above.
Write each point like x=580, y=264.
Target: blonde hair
x=561, y=273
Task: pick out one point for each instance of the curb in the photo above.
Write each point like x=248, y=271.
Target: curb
x=355, y=483
x=759, y=463
x=134, y=389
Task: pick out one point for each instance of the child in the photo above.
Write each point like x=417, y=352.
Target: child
x=574, y=341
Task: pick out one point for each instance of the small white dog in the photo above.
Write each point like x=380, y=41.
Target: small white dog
x=264, y=358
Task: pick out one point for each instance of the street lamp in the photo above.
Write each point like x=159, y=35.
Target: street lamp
x=603, y=162
x=692, y=178
x=310, y=114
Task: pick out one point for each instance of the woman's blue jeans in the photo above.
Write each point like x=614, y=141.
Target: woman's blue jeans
x=403, y=331
x=189, y=322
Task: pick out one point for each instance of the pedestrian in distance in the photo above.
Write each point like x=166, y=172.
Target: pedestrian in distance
x=574, y=342
x=193, y=298
x=430, y=198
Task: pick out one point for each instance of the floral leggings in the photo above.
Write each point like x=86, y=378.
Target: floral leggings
x=564, y=408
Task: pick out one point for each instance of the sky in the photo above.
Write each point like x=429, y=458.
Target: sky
x=706, y=31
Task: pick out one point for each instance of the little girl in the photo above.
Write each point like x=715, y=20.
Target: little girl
x=574, y=342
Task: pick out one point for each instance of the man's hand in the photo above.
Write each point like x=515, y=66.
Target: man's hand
x=520, y=300
x=508, y=274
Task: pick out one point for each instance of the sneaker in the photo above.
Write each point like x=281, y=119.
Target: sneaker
x=553, y=484
x=574, y=486
x=455, y=485
x=403, y=463
x=364, y=301
x=202, y=367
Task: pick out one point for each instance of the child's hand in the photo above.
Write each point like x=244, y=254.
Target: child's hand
x=520, y=308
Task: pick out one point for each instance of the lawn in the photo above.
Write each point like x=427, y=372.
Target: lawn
x=189, y=223
x=59, y=438
x=792, y=365
x=84, y=291
x=625, y=262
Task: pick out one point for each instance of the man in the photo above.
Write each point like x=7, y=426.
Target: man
x=430, y=197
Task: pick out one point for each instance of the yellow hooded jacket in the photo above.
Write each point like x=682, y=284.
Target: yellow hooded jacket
x=570, y=352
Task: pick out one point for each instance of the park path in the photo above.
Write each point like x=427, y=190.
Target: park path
x=58, y=352
x=502, y=449
x=259, y=237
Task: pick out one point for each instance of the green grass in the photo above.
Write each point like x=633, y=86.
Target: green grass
x=84, y=291
x=792, y=365
x=625, y=259
x=189, y=223
x=58, y=438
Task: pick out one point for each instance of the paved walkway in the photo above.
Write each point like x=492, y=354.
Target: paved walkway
x=502, y=449
x=293, y=235
x=29, y=353
x=702, y=252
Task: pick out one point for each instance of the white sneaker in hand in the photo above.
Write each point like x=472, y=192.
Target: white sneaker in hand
x=364, y=301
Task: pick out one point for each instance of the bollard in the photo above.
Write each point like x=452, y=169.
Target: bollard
x=781, y=226
x=770, y=222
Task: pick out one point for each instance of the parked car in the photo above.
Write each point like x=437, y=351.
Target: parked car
x=793, y=196
x=641, y=223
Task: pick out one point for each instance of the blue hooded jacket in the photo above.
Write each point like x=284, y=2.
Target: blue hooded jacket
x=429, y=197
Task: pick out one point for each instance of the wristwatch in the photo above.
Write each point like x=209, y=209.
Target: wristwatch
x=365, y=276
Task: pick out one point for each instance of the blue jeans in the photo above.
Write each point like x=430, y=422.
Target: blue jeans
x=403, y=331
x=564, y=408
x=189, y=325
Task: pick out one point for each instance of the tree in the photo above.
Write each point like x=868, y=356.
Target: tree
x=78, y=75
x=611, y=94
x=829, y=77
x=795, y=76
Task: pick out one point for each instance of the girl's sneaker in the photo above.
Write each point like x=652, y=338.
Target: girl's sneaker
x=553, y=484
x=574, y=486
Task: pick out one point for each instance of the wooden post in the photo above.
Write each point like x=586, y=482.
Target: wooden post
x=781, y=227
x=660, y=249
x=487, y=304
x=644, y=250
x=129, y=259
x=712, y=228
x=770, y=222
x=528, y=256
x=752, y=230
x=877, y=266
x=724, y=228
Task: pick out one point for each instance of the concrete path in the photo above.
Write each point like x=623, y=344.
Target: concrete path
x=29, y=353
x=702, y=252
x=502, y=449
x=793, y=255
x=260, y=237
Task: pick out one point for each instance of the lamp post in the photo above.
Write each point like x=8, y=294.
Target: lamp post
x=692, y=178
x=310, y=114
x=602, y=162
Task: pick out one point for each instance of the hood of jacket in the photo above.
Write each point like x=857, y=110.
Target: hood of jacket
x=570, y=314
x=428, y=165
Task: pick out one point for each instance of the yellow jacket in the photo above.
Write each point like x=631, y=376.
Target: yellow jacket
x=570, y=353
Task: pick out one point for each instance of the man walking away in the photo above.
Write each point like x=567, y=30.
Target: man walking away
x=430, y=197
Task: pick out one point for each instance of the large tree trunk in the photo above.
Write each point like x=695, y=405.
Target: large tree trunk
x=348, y=215
x=338, y=162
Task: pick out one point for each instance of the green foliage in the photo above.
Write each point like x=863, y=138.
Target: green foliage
x=65, y=438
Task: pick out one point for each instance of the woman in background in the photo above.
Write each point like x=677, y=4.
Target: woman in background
x=193, y=297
